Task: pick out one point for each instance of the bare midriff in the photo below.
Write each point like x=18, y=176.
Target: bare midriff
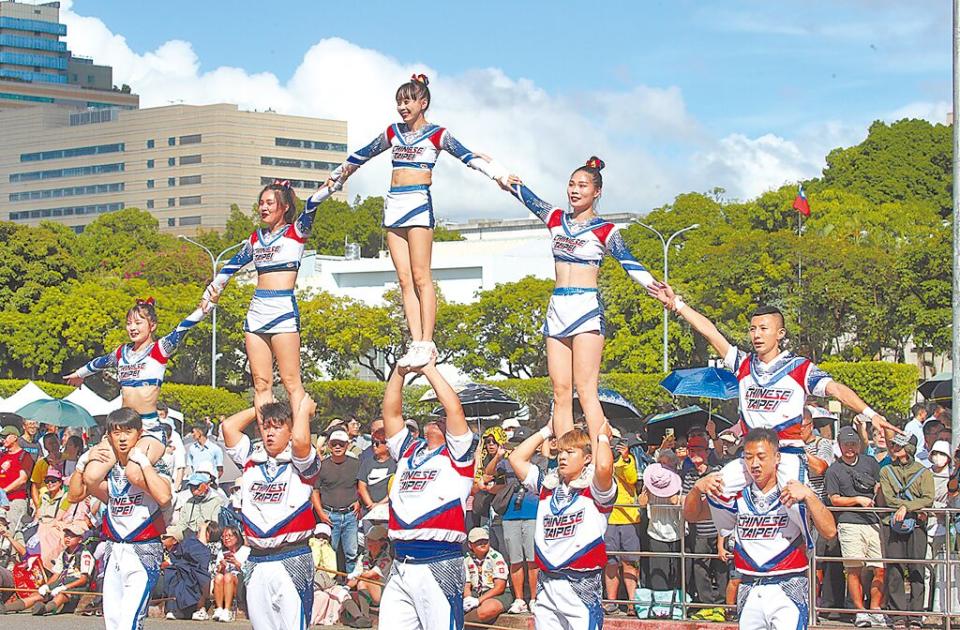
x=142, y=399
x=411, y=177
x=582, y=276
x=277, y=280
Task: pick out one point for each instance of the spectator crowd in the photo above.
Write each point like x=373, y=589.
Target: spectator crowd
x=50, y=550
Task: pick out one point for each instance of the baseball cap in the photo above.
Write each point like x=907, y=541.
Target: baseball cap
x=902, y=439
x=339, y=436
x=697, y=441
x=174, y=532
x=10, y=430
x=520, y=434
x=477, y=534
x=412, y=425
x=197, y=478
x=75, y=528
x=726, y=436
x=377, y=532
x=848, y=435
x=510, y=423
x=324, y=529
x=53, y=472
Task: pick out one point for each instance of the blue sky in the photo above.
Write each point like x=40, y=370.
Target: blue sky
x=690, y=94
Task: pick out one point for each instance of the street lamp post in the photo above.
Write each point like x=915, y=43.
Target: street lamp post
x=215, y=262
x=666, y=276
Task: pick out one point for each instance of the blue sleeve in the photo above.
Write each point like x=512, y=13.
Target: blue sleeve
x=235, y=264
x=535, y=204
x=218, y=457
x=619, y=250
x=169, y=342
x=452, y=146
x=98, y=364
x=361, y=156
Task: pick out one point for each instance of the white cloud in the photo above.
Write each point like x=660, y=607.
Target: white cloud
x=933, y=111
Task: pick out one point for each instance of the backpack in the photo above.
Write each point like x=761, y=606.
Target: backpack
x=501, y=500
x=909, y=523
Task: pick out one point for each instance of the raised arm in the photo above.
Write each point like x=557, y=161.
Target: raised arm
x=243, y=257
x=520, y=457
x=492, y=169
x=535, y=204
x=169, y=342
x=360, y=157
x=700, y=323
x=393, y=403
x=232, y=428
x=602, y=459
x=456, y=420
x=304, y=223
x=619, y=250
x=300, y=443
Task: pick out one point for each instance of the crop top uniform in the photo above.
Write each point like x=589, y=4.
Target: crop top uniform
x=412, y=206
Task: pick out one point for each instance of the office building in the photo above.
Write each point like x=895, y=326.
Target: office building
x=36, y=68
x=184, y=164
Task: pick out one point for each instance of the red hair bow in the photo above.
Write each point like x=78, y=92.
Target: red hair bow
x=147, y=302
x=283, y=183
x=420, y=78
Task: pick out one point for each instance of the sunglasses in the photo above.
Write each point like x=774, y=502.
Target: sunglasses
x=52, y=480
x=337, y=444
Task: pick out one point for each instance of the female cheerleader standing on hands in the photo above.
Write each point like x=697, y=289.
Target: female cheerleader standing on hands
x=575, y=325
x=141, y=366
x=272, y=325
x=408, y=217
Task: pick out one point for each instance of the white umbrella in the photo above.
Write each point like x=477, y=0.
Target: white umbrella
x=85, y=397
x=25, y=395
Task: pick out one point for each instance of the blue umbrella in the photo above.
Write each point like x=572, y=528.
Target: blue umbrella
x=681, y=421
x=59, y=413
x=707, y=382
x=615, y=406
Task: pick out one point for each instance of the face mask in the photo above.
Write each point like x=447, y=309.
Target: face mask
x=939, y=459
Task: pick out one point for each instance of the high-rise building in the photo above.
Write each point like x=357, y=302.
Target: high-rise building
x=37, y=68
x=184, y=164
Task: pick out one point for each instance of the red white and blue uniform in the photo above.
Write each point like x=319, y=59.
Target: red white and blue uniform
x=273, y=310
x=428, y=498
x=569, y=548
x=412, y=206
x=772, y=396
x=146, y=368
x=278, y=519
x=575, y=310
x=771, y=555
x=132, y=525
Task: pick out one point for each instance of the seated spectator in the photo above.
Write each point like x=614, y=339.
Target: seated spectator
x=185, y=575
x=203, y=504
x=52, y=461
x=229, y=569
x=851, y=481
x=907, y=486
x=373, y=566
x=661, y=497
x=623, y=529
x=332, y=603
x=52, y=498
x=75, y=575
x=485, y=594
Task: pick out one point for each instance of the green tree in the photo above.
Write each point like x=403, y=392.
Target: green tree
x=34, y=259
x=115, y=239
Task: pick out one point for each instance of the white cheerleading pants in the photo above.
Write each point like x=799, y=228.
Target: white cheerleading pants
x=280, y=589
x=793, y=465
x=131, y=571
x=424, y=596
x=775, y=605
x=568, y=603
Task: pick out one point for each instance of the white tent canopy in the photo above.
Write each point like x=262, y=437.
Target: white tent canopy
x=94, y=405
x=25, y=395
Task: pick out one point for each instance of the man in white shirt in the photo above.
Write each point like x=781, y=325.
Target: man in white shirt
x=915, y=426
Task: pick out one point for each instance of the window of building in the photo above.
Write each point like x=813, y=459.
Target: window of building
x=68, y=211
x=149, y=204
x=76, y=171
x=193, y=200
x=189, y=220
x=191, y=139
x=189, y=159
x=308, y=184
x=171, y=202
x=190, y=179
x=150, y=144
x=310, y=144
x=296, y=163
x=59, y=154
x=73, y=191
x=171, y=181
x=150, y=183
x=171, y=161
x=171, y=222
x=149, y=163
x=171, y=141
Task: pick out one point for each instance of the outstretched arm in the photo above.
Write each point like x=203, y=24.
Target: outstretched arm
x=169, y=342
x=700, y=323
x=393, y=403
x=852, y=401
x=235, y=264
x=535, y=204
x=304, y=223
x=360, y=157
x=92, y=367
x=492, y=169
x=619, y=250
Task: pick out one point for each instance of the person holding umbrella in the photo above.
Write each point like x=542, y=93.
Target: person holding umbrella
x=773, y=387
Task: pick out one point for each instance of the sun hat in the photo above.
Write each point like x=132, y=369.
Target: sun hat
x=660, y=481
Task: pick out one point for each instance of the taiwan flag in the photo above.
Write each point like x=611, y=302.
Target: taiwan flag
x=800, y=203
